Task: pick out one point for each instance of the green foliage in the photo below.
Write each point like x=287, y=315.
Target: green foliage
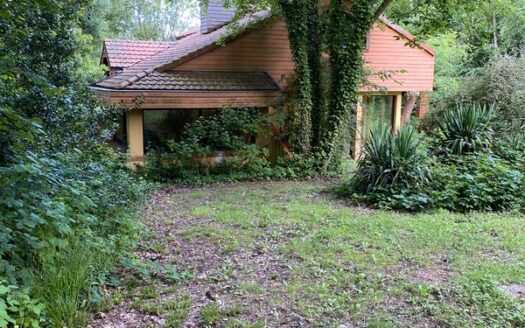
x=392, y=171
x=450, y=66
x=147, y=269
x=298, y=15
x=501, y=82
x=227, y=134
x=467, y=178
x=17, y=308
x=467, y=128
x=227, y=130
x=63, y=284
x=60, y=185
x=346, y=43
x=477, y=182
x=391, y=160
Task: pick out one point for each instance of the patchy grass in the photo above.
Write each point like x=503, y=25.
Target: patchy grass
x=286, y=254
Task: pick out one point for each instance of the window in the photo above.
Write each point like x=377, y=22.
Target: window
x=163, y=125
x=376, y=110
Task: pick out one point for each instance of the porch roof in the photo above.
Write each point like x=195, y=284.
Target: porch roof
x=206, y=81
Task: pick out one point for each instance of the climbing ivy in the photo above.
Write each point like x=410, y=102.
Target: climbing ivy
x=316, y=126
x=296, y=16
x=346, y=44
x=314, y=42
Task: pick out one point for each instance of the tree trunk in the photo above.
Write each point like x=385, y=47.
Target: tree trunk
x=347, y=38
x=408, y=108
x=296, y=16
x=314, y=62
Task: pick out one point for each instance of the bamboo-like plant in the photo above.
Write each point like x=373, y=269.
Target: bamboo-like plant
x=467, y=128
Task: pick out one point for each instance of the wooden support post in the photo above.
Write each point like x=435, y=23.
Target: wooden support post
x=135, y=129
x=358, y=135
x=396, y=112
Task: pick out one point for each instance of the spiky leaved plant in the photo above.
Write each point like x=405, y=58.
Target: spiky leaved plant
x=467, y=128
x=391, y=160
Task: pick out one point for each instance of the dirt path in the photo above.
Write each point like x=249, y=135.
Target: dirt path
x=244, y=280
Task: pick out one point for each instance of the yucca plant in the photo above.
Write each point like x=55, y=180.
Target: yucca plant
x=391, y=160
x=467, y=128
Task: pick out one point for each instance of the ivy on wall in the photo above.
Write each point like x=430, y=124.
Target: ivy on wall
x=321, y=115
x=345, y=42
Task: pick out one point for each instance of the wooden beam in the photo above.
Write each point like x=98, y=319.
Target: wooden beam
x=135, y=129
x=396, y=112
x=356, y=151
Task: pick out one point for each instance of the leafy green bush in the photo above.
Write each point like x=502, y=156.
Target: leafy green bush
x=391, y=160
x=477, y=182
x=44, y=202
x=17, y=308
x=230, y=132
x=466, y=128
x=392, y=170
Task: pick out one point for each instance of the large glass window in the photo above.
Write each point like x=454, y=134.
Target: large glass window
x=376, y=110
x=163, y=125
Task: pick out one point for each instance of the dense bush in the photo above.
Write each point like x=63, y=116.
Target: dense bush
x=60, y=185
x=466, y=128
x=477, y=182
x=473, y=169
x=230, y=133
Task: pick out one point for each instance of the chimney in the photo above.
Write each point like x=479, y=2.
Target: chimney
x=216, y=16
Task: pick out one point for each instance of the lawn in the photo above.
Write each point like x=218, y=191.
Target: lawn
x=287, y=254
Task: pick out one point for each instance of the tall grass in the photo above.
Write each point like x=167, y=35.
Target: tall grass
x=63, y=283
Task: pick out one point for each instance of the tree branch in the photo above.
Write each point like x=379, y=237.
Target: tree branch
x=381, y=7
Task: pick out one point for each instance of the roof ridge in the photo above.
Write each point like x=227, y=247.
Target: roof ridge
x=139, y=41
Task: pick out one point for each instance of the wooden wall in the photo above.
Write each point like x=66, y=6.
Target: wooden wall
x=268, y=50
x=387, y=53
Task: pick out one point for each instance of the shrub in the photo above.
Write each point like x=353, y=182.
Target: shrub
x=392, y=171
x=477, y=182
x=390, y=160
x=231, y=131
x=17, y=308
x=467, y=128
x=511, y=147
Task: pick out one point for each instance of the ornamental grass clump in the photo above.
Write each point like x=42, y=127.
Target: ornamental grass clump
x=391, y=160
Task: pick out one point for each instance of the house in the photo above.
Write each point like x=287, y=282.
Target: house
x=167, y=84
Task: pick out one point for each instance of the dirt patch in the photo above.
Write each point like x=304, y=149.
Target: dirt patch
x=514, y=291
x=434, y=275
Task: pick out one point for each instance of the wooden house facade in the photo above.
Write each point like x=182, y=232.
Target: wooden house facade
x=198, y=73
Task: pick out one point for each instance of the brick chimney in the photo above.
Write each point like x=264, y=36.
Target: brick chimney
x=216, y=16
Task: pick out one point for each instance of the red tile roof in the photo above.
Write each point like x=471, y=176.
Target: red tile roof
x=124, y=53
x=186, y=47
x=206, y=81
